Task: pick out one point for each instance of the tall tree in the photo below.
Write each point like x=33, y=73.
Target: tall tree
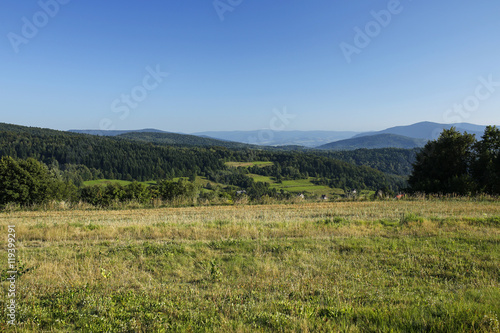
x=486, y=167
x=15, y=182
x=443, y=165
x=28, y=182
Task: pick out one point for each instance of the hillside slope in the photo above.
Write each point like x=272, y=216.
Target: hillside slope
x=163, y=138
x=395, y=161
x=115, y=132
x=375, y=141
x=174, y=139
x=117, y=158
x=120, y=158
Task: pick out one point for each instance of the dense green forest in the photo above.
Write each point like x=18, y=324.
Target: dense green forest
x=117, y=158
x=459, y=163
x=395, y=161
x=181, y=140
x=75, y=158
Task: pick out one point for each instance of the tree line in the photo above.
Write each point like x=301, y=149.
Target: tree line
x=458, y=163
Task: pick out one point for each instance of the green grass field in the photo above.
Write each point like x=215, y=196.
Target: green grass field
x=297, y=186
x=303, y=185
x=387, y=266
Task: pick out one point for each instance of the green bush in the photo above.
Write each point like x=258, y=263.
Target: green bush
x=27, y=182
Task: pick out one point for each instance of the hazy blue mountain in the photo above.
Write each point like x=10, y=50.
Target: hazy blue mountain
x=427, y=130
x=293, y=140
x=376, y=141
x=280, y=138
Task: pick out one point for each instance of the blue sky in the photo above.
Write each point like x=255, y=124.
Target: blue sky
x=420, y=61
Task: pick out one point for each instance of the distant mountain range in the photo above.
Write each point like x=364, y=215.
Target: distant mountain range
x=411, y=136
x=427, y=130
x=376, y=141
x=281, y=138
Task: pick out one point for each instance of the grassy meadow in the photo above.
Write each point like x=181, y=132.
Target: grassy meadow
x=293, y=186
x=385, y=266
x=303, y=186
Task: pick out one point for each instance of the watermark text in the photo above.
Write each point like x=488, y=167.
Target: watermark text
x=31, y=26
x=372, y=29
x=224, y=6
x=462, y=111
x=138, y=94
x=11, y=275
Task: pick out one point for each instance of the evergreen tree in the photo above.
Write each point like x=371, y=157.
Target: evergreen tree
x=443, y=165
x=486, y=167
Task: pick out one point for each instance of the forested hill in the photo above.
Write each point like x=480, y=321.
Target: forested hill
x=116, y=158
x=174, y=139
x=125, y=159
x=395, y=161
x=115, y=132
x=165, y=138
x=376, y=141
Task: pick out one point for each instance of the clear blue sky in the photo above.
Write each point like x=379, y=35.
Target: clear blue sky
x=231, y=74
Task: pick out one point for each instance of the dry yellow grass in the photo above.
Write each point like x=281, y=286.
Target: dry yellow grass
x=204, y=223
x=264, y=257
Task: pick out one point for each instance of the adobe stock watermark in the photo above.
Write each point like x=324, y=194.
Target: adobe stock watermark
x=372, y=29
x=31, y=26
x=123, y=105
x=462, y=111
x=280, y=121
x=11, y=275
x=223, y=6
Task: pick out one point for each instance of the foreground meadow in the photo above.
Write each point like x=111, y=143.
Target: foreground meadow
x=410, y=266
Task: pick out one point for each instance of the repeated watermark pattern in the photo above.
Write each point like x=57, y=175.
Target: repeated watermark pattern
x=224, y=6
x=463, y=110
x=371, y=30
x=11, y=275
x=123, y=105
x=31, y=26
x=281, y=120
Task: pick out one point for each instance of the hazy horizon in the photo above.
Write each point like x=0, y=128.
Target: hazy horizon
x=249, y=130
